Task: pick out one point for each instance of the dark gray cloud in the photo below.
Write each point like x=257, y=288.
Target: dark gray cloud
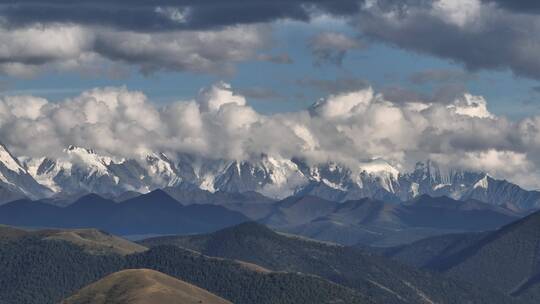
x=159, y=15
x=208, y=36
x=523, y=6
x=474, y=33
x=480, y=34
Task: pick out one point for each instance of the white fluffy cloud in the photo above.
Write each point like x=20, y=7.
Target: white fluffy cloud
x=349, y=128
x=458, y=12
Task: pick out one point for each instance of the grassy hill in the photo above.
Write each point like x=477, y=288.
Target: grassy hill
x=91, y=240
x=142, y=286
x=378, y=277
x=36, y=270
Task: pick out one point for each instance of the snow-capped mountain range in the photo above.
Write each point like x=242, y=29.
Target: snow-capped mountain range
x=81, y=170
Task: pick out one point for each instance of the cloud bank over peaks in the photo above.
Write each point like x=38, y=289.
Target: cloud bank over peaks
x=351, y=128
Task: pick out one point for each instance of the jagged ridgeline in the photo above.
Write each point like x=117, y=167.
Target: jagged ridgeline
x=80, y=170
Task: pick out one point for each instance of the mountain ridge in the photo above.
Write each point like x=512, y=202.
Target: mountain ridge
x=81, y=170
x=377, y=223
x=155, y=212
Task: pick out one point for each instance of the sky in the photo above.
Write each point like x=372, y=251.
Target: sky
x=459, y=77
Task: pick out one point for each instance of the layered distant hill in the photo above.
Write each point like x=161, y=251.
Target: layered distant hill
x=374, y=222
x=152, y=213
x=38, y=268
x=78, y=171
x=507, y=259
x=365, y=221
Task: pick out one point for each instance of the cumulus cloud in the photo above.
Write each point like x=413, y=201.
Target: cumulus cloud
x=344, y=105
x=351, y=128
x=213, y=98
x=473, y=106
x=479, y=34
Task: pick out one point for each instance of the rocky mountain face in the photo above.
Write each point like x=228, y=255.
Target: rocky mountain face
x=81, y=170
x=15, y=180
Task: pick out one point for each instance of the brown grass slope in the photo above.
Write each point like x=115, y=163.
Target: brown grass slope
x=142, y=286
x=91, y=240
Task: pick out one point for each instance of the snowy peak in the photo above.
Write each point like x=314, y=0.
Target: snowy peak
x=88, y=158
x=379, y=167
x=9, y=162
x=42, y=170
x=384, y=173
x=162, y=170
x=77, y=170
x=271, y=176
x=432, y=175
x=80, y=170
x=483, y=183
x=15, y=178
